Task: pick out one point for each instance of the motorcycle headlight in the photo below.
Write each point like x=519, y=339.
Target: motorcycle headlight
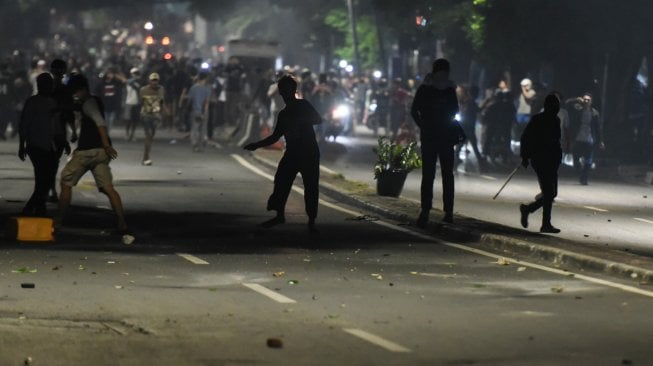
x=341, y=111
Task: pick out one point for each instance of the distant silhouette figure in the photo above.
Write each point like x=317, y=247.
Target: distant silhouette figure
x=434, y=108
x=540, y=144
x=37, y=140
x=295, y=123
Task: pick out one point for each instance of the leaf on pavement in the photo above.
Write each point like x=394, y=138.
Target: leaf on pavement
x=24, y=270
x=502, y=261
x=279, y=274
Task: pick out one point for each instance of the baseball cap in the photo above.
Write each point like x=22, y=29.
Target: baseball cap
x=154, y=76
x=526, y=82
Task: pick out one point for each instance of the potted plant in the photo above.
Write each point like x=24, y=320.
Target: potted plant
x=394, y=162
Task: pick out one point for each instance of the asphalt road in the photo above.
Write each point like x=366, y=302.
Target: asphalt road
x=203, y=285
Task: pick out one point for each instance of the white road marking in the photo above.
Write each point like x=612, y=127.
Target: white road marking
x=376, y=340
x=595, y=209
x=251, y=167
x=644, y=220
x=465, y=248
x=488, y=177
x=269, y=293
x=328, y=171
x=193, y=259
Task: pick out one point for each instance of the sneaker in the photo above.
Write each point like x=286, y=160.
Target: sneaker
x=549, y=229
x=523, y=209
x=147, y=162
x=423, y=219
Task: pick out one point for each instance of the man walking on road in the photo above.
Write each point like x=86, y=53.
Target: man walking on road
x=434, y=108
x=295, y=123
x=152, y=98
x=585, y=130
x=198, y=96
x=540, y=143
x=37, y=140
x=94, y=152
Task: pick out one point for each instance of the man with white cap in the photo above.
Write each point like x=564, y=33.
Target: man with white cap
x=524, y=109
x=133, y=102
x=152, y=97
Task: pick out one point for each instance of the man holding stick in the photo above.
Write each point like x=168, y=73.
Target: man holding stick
x=540, y=144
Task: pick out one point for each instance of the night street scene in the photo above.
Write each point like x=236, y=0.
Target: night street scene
x=326, y=182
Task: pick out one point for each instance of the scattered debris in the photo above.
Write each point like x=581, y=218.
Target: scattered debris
x=609, y=220
x=179, y=172
x=587, y=236
x=27, y=285
x=391, y=284
x=633, y=275
x=363, y=218
x=275, y=343
x=626, y=361
x=502, y=261
x=314, y=297
x=24, y=270
x=521, y=269
x=128, y=239
x=377, y=276
x=307, y=259
x=28, y=361
x=279, y=274
x=56, y=268
x=81, y=268
x=118, y=287
x=578, y=297
x=557, y=289
x=413, y=273
x=293, y=282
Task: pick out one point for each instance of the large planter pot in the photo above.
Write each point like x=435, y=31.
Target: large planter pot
x=390, y=183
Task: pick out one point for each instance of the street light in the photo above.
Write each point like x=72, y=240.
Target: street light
x=377, y=74
x=165, y=41
x=148, y=26
x=343, y=64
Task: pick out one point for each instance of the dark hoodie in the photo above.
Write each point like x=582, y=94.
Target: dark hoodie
x=433, y=109
x=541, y=138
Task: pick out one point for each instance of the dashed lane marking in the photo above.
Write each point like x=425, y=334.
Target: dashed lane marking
x=376, y=340
x=269, y=293
x=193, y=259
x=595, y=209
x=644, y=220
x=465, y=248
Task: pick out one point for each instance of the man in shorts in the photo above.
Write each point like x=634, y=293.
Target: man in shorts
x=93, y=153
x=152, y=97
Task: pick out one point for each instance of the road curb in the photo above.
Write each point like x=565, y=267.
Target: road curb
x=494, y=242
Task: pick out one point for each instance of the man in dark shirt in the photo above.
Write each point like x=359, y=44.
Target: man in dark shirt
x=37, y=125
x=540, y=143
x=295, y=123
x=434, y=108
x=94, y=152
